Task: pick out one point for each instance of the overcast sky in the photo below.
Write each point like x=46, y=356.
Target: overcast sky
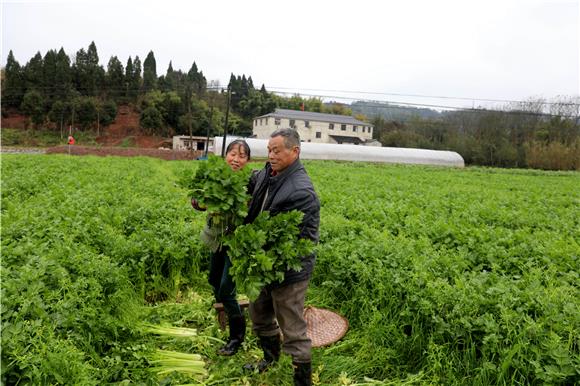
x=472, y=49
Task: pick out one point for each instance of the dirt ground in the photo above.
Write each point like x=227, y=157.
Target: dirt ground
x=165, y=154
x=122, y=138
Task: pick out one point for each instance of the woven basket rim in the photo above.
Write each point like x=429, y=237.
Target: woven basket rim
x=324, y=326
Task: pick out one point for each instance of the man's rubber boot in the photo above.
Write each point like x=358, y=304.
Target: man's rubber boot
x=302, y=374
x=237, y=333
x=271, y=347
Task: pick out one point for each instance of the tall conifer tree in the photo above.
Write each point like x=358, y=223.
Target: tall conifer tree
x=13, y=85
x=149, y=73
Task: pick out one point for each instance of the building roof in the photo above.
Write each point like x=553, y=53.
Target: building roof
x=311, y=116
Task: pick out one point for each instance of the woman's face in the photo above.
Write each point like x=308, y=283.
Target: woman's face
x=237, y=157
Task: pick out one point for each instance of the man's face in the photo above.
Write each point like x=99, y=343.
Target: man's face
x=279, y=156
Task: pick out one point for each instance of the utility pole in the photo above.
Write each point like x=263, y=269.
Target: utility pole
x=209, y=129
x=226, y=125
x=98, y=121
x=189, y=116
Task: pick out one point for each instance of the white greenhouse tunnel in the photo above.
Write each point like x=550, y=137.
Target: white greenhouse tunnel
x=327, y=151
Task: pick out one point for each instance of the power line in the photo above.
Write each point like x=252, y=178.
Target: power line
x=419, y=96
x=373, y=103
x=382, y=104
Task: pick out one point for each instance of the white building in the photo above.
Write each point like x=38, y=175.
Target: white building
x=185, y=142
x=316, y=127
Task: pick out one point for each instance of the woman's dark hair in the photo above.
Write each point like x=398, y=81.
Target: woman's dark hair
x=241, y=143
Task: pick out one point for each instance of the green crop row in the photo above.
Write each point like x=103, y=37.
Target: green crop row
x=447, y=276
x=465, y=276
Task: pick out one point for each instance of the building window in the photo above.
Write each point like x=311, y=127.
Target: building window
x=364, y=128
x=292, y=122
x=343, y=127
x=277, y=121
x=266, y=121
x=354, y=128
x=370, y=130
x=331, y=126
x=318, y=134
x=306, y=123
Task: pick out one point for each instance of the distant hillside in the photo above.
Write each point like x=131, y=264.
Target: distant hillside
x=392, y=112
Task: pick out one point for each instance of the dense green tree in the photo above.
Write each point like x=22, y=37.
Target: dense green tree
x=172, y=108
x=107, y=112
x=13, y=84
x=33, y=106
x=151, y=119
x=97, y=73
x=89, y=76
x=79, y=71
x=137, y=80
x=63, y=76
x=60, y=114
x=149, y=73
x=129, y=79
x=86, y=112
x=251, y=105
x=268, y=102
x=168, y=82
x=196, y=80
x=33, y=73
x=115, y=78
x=49, y=69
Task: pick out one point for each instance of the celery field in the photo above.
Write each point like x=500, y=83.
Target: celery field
x=446, y=276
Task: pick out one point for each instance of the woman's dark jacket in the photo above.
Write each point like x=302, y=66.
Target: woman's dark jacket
x=289, y=190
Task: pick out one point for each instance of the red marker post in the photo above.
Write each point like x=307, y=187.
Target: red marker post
x=71, y=141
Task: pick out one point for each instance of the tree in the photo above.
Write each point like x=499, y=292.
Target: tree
x=33, y=106
x=149, y=73
x=137, y=80
x=79, y=71
x=33, y=73
x=268, y=102
x=60, y=113
x=49, y=69
x=13, y=84
x=151, y=119
x=172, y=108
x=89, y=76
x=129, y=79
x=86, y=111
x=63, y=77
x=168, y=83
x=96, y=72
x=115, y=79
x=107, y=112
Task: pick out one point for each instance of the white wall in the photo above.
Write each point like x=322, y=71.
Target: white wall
x=263, y=127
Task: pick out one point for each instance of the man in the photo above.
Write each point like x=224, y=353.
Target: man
x=282, y=186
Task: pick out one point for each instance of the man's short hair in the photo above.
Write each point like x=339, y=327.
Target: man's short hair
x=291, y=137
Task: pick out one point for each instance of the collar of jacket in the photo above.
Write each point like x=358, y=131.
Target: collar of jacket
x=291, y=169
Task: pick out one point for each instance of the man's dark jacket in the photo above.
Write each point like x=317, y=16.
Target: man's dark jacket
x=291, y=189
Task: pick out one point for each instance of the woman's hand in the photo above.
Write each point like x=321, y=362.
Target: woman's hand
x=196, y=206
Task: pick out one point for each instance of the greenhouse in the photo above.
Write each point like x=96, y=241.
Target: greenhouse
x=324, y=151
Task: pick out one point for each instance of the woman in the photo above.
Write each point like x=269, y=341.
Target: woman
x=237, y=156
